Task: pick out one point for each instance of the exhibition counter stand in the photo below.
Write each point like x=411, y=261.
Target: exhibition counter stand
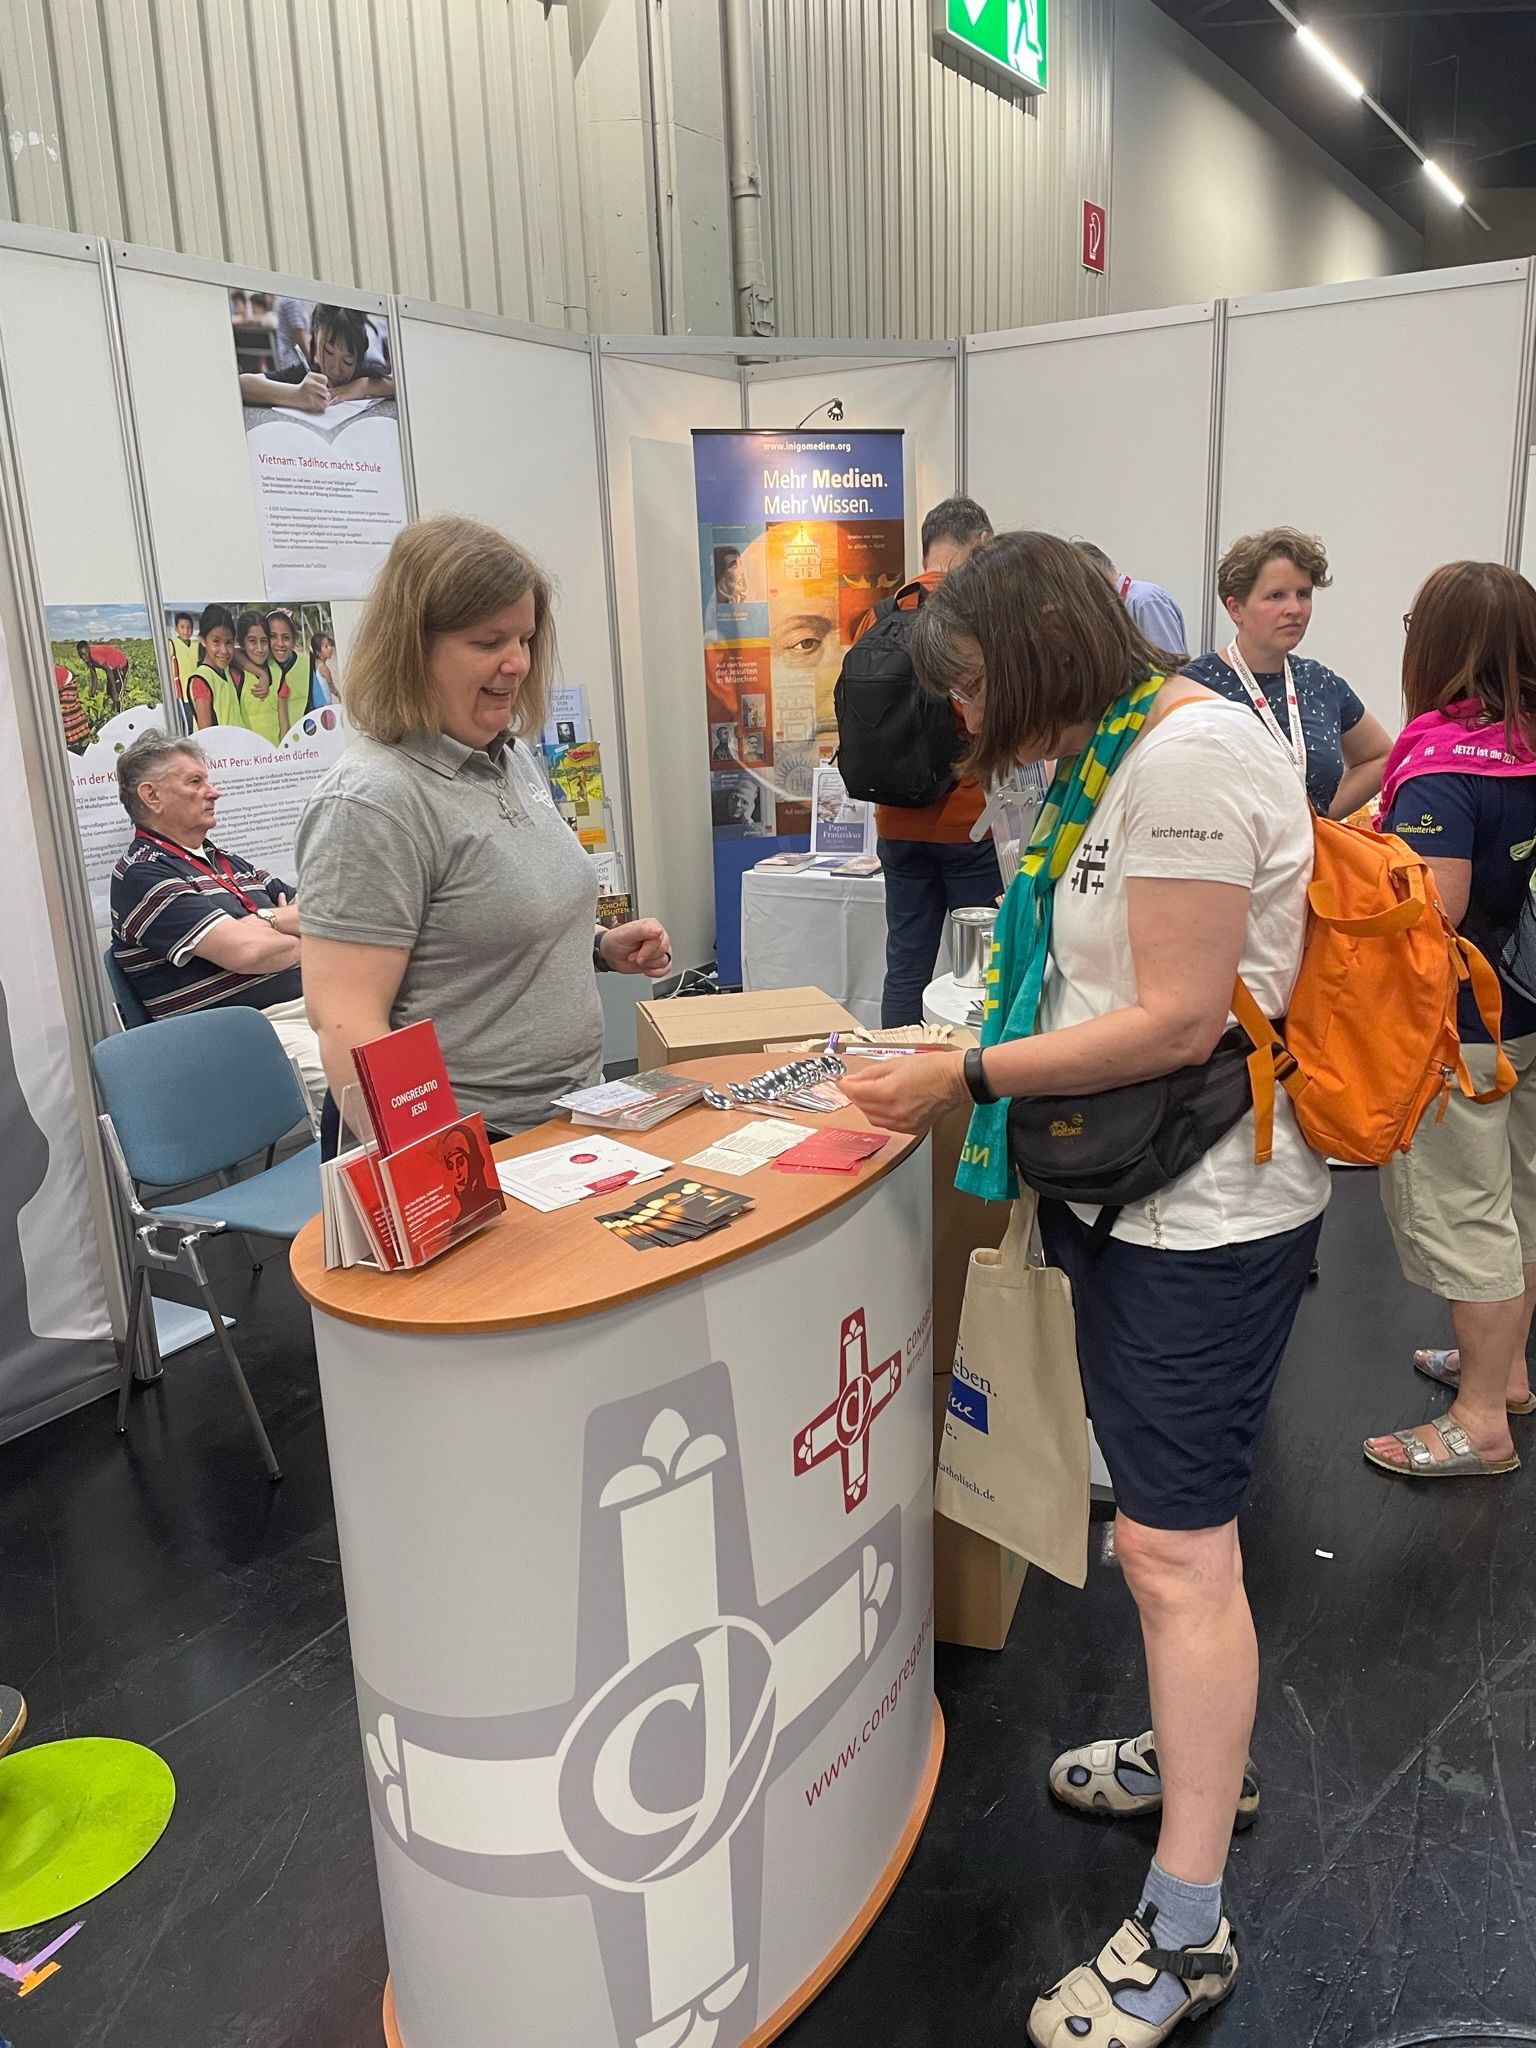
x=637, y=1548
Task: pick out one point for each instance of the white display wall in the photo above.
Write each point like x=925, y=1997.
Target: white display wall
x=650, y=408
x=1104, y=430
x=1388, y=417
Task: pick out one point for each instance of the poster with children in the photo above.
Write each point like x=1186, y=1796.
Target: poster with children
x=317, y=387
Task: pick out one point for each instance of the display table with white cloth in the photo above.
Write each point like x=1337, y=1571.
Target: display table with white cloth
x=826, y=931
x=946, y=1002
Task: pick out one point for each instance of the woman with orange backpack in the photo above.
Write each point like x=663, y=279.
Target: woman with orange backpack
x=1461, y=790
x=1173, y=852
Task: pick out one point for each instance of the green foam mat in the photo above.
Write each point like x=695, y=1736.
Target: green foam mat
x=75, y=1817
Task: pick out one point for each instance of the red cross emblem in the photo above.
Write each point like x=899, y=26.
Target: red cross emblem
x=845, y=1426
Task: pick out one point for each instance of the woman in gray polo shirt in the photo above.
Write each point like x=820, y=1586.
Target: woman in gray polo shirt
x=438, y=879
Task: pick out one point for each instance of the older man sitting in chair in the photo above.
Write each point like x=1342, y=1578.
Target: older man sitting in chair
x=194, y=927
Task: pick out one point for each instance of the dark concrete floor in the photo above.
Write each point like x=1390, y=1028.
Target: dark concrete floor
x=161, y=1590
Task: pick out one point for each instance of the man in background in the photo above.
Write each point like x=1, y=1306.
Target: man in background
x=194, y=927
x=930, y=862
x=1155, y=611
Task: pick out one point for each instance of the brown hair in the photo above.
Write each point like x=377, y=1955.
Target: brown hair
x=1244, y=562
x=1472, y=634
x=1057, y=644
x=442, y=575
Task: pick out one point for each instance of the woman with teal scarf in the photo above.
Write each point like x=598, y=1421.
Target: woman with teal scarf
x=1173, y=852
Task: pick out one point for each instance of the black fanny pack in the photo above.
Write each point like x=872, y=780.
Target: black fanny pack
x=1126, y=1143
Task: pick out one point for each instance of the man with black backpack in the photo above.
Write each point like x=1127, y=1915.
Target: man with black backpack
x=898, y=748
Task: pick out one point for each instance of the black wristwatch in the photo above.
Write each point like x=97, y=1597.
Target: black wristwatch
x=599, y=964
x=976, y=1078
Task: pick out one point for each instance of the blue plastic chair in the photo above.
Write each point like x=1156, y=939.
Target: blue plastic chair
x=188, y=1099
x=124, y=994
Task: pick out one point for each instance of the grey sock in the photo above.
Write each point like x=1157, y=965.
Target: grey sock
x=1185, y=1916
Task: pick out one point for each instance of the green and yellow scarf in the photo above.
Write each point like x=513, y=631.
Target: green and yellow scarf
x=1021, y=944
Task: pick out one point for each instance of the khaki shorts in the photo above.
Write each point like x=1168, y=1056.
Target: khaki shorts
x=297, y=1037
x=1462, y=1200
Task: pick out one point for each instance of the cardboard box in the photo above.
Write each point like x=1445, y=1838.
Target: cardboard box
x=698, y=1027
x=976, y=1583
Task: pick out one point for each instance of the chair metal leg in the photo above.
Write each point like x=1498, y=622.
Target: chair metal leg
x=130, y=1344
x=242, y=1388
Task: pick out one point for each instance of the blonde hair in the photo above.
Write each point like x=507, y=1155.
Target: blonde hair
x=442, y=575
x=1245, y=561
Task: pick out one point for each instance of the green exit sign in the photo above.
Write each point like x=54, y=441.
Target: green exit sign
x=1010, y=34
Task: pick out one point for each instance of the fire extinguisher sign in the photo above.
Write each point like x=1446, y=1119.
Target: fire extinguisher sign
x=1095, y=237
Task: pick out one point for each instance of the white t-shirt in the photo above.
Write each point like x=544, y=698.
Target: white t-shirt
x=1207, y=796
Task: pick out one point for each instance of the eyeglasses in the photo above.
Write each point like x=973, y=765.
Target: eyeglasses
x=970, y=694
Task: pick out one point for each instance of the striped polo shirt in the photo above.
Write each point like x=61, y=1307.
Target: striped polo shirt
x=163, y=902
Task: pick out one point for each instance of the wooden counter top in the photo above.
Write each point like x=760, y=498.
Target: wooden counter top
x=531, y=1268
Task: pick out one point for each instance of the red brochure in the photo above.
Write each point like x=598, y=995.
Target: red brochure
x=835, y=1150
x=442, y=1188
x=406, y=1085
x=367, y=1197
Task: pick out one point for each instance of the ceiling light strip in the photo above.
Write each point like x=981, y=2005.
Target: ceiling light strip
x=1340, y=72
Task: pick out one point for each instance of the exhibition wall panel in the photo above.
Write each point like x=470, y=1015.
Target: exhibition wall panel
x=921, y=397
x=181, y=366
x=650, y=409
x=503, y=429
x=58, y=359
x=1101, y=430
x=1388, y=417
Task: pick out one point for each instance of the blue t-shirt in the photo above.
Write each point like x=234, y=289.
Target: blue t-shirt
x=1480, y=818
x=1329, y=708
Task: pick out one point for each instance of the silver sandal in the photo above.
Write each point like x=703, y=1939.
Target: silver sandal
x=1463, y=1462
x=1436, y=1366
x=1080, y=2011
x=1087, y=1780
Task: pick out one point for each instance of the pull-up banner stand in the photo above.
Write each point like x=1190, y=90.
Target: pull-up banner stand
x=800, y=536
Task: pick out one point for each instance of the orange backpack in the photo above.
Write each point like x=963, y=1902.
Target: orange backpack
x=1369, y=1041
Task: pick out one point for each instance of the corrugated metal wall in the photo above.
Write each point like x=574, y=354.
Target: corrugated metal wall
x=909, y=195
x=420, y=146
x=433, y=147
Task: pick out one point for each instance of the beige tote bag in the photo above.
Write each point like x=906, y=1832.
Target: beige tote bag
x=1013, y=1463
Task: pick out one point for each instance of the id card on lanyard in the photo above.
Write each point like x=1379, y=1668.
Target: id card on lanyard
x=1294, y=742
x=220, y=869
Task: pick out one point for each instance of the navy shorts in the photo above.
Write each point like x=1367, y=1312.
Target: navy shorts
x=1179, y=1352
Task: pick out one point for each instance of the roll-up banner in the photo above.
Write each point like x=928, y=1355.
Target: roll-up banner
x=800, y=536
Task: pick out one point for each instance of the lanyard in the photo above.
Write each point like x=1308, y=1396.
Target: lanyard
x=1295, y=743
x=223, y=873
x=1125, y=588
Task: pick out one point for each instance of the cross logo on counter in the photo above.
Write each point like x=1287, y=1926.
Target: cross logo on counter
x=845, y=1426
x=661, y=1831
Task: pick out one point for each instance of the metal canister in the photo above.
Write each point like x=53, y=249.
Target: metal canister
x=970, y=943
